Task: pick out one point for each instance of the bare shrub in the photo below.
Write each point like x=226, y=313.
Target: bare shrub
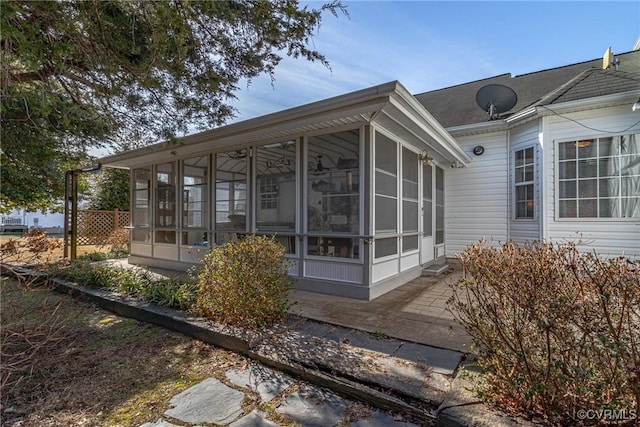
x=23, y=344
x=118, y=241
x=244, y=283
x=34, y=249
x=556, y=330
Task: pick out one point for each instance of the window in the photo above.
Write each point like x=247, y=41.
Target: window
x=195, y=190
x=524, y=183
x=410, y=211
x=333, y=194
x=268, y=193
x=386, y=195
x=386, y=191
x=141, y=204
x=427, y=201
x=439, y=206
x=231, y=190
x=276, y=187
x=599, y=177
x=165, y=215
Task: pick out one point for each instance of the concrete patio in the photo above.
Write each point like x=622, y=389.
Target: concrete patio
x=414, y=312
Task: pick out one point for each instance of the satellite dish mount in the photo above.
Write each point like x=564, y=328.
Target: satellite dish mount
x=496, y=99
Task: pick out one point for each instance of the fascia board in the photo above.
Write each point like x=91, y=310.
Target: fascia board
x=612, y=100
x=437, y=150
x=360, y=102
x=478, y=128
x=408, y=105
x=521, y=115
x=543, y=110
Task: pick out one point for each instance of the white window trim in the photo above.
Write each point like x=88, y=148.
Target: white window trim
x=515, y=185
x=556, y=187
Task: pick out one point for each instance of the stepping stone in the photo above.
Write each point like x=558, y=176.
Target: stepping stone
x=208, y=402
x=159, y=423
x=254, y=419
x=381, y=419
x=316, y=329
x=364, y=341
x=266, y=382
x=313, y=407
x=441, y=361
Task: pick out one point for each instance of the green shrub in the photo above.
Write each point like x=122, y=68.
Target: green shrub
x=557, y=331
x=103, y=256
x=244, y=283
x=175, y=293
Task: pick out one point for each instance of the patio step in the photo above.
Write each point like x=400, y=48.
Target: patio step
x=435, y=269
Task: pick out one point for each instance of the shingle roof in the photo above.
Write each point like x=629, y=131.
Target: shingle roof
x=591, y=83
x=456, y=105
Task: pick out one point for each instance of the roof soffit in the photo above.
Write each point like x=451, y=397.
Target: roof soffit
x=352, y=109
x=288, y=123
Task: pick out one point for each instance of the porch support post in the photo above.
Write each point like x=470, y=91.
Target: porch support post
x=74, y=214
x=71, y=209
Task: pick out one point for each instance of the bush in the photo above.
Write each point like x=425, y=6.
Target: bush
x=118, y=241
x=244, y=283
x=102, y=256
x=175, y=293
x=557, y=331
x=34, y=249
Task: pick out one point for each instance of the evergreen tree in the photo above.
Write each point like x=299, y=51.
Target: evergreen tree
x=77, y=75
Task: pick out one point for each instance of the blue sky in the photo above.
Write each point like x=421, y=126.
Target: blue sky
x=428, y=45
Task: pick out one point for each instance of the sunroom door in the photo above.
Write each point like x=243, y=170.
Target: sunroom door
x=426, y=240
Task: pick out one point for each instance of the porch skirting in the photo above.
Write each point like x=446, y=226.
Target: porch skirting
x=342, y=289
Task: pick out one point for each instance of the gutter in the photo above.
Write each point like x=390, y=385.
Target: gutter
x=521, y=115
x=612, y=100
x=541, y=110
x=424, y=114
x=476, y=128
x=270, y=120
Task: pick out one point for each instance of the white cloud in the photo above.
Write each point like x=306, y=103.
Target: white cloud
x=425, y=45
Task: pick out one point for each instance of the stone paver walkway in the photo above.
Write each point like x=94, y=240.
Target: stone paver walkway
x=242, y=400
x=432, y=302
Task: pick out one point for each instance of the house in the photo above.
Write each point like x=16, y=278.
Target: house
x=367, y=189
x=20, y=221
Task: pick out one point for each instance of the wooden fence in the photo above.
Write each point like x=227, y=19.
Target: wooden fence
x=95, y=227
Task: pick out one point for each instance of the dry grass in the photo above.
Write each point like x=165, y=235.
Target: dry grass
x=52, y=256
x=103, y=369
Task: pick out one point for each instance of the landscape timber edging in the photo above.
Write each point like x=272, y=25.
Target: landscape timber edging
x=459, y=408
x=203, y=330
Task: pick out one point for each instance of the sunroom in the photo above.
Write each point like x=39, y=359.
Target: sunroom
x=352, y=186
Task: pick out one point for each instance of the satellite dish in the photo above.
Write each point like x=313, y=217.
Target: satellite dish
x=496, y=99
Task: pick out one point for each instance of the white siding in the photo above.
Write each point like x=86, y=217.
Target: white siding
x=476, y=197
x=609, y=237
x=384, y=270
x=523, y=230
x=328, y=270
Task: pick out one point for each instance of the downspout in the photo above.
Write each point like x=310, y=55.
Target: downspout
x=509, y=192
x=544, y=220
